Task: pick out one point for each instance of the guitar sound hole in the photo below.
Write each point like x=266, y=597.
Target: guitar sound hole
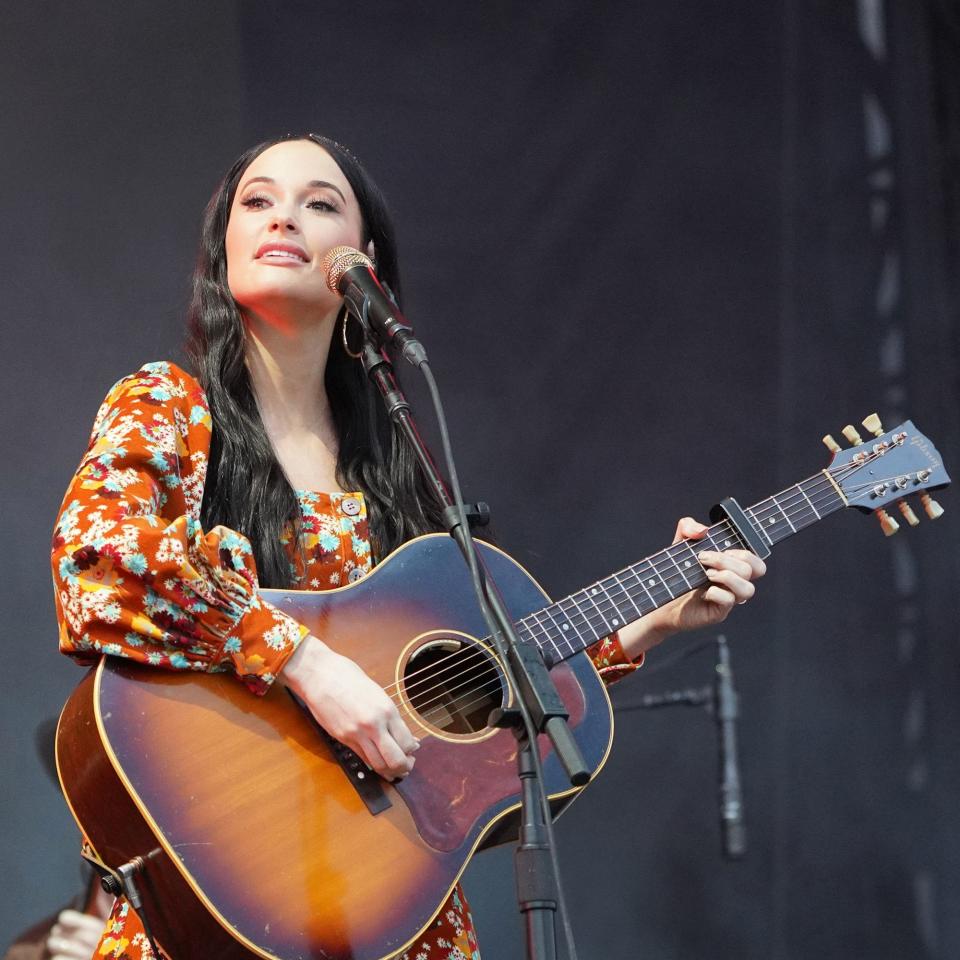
x=454, y=685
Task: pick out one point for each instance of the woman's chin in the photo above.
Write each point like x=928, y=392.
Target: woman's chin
x=289, y=313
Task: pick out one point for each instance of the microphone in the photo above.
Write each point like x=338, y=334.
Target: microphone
x=350, y=273
x=732, y=828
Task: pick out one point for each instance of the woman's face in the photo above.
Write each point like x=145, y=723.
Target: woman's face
x=291, y=206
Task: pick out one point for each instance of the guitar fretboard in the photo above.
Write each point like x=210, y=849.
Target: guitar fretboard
x=579, y=620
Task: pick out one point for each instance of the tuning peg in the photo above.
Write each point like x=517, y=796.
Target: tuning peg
x=850, y=432
x=933, y=509
x=872, y=423
x=888, y=525
x=831, y=444
x=908, y=513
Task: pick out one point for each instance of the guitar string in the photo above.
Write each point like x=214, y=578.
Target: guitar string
x=494, y=684
x=489, y=688
x=481, y=678
x=473, y=659
x=476, y=656
x=654, y=563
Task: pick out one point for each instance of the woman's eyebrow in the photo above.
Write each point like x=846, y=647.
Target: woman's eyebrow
x=325, y=183
x=312, y=184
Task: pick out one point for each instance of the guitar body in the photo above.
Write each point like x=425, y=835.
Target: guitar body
x=255, y=833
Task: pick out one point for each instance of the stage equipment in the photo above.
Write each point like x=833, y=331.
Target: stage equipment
x=210, y=789
x=722, y=701
x=350, y=273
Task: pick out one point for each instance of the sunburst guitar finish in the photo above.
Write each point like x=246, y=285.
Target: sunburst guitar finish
x=256, y=840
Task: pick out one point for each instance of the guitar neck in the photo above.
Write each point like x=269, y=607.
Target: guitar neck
x=579, y=620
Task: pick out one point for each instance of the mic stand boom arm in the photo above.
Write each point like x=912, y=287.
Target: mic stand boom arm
x=537, y=885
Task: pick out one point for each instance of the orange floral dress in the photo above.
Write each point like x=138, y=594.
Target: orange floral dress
x=135, y=576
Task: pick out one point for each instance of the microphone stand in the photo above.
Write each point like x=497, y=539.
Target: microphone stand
x=720, y=699
x=541, y=709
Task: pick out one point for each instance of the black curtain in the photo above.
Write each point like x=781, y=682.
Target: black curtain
x=656, y=252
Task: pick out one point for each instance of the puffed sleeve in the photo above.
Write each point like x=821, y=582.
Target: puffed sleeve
x=611, y=662
x=134, y=574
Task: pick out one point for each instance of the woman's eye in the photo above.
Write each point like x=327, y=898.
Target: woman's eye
x=255, y=202
x=323, y=205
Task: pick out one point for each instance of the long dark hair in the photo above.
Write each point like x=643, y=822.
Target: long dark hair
x=246, y=489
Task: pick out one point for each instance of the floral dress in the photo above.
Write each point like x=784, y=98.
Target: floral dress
x=136, y=576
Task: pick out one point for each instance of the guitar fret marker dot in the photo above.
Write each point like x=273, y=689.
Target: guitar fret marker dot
x=651, y=582
x=686, y=563
x=565, y=626
x=615, y=622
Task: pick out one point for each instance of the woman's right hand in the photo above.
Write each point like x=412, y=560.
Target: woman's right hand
x=74, y=936
x=351, y=707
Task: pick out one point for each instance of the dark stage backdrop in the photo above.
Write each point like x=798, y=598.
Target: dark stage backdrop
x=656, y=251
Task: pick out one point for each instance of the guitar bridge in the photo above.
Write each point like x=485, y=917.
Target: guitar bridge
x=368, y=784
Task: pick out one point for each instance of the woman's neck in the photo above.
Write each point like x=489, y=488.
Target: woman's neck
x=286, y=366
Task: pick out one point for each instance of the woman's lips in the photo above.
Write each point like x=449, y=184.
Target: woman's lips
x=285, y=260
x=283, y=254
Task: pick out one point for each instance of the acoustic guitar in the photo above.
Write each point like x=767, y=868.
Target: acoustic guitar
x=261, y=836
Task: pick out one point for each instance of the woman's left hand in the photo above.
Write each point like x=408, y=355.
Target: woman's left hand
x=731, y=574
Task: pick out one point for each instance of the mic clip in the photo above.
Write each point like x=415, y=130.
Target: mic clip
x=478, y=515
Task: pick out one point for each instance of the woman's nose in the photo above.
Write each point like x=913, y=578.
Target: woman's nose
x=283, y=223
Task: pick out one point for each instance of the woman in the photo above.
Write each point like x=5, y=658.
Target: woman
x=275, y=466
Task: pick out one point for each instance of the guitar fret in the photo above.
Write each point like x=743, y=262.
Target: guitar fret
x=785, y=517
x=560, y=620
x=525, y=633
x=619, y=620
x=555, y=649
x=807, y=512
x=534, y=620
x=592, y=594
x=733, y=541
x=565, y=626
x=585, y=623
x=627, y=594
x=673, y=560
x=587, y=620
x=651, y=583
x=815, y=498
x=730, y=541
x=549, y=612
x=805, y=497
x=696, y=568
x=768, y=524
x=803, y=512
x=759, y=527
x=579, y=620
x=636, y=576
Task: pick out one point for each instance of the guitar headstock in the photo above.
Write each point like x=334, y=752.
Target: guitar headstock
x=874, y=473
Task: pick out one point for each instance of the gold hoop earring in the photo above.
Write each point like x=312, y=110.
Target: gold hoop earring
x=343, y=337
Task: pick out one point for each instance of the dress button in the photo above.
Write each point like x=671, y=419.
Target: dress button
x=350, y=506
x=354, y=575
